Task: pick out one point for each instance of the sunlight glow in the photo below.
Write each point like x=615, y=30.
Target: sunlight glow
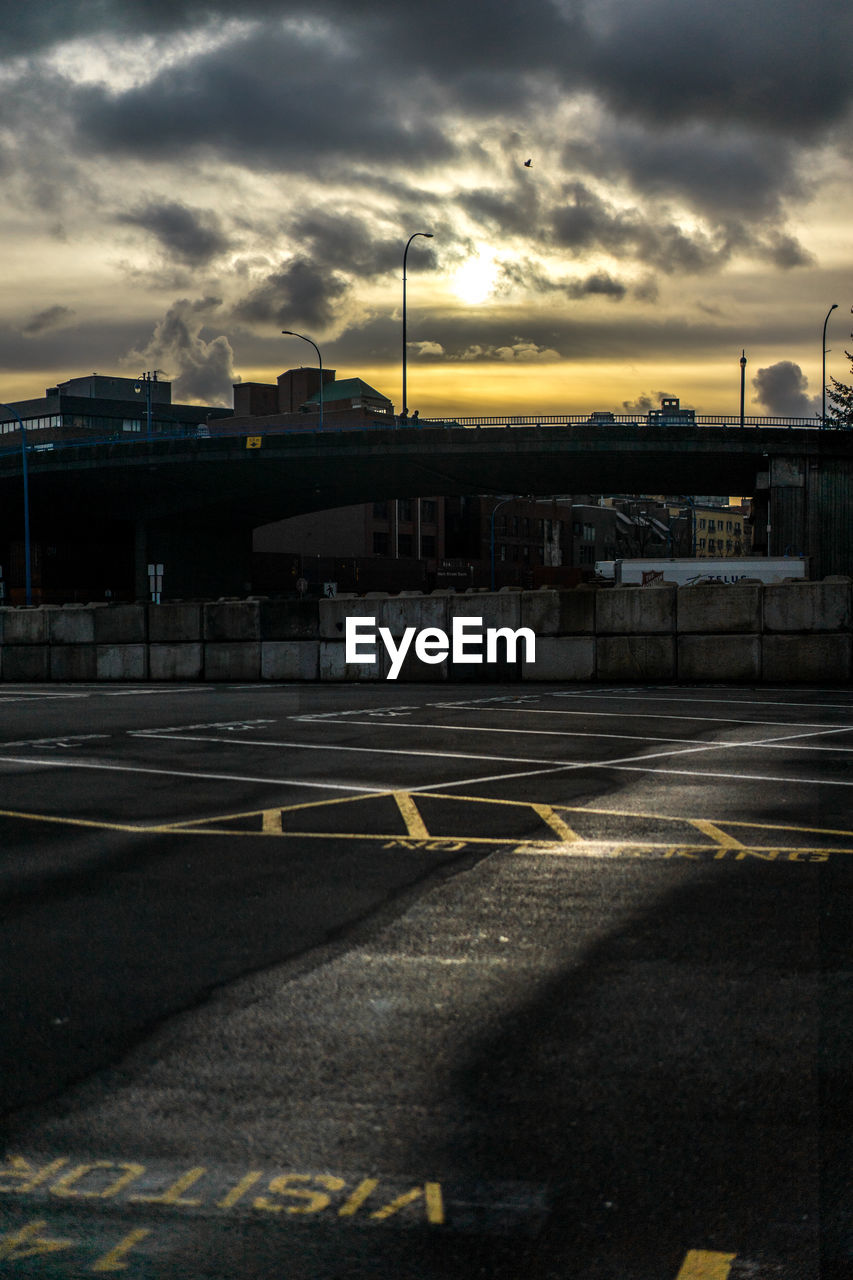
x=475, y=279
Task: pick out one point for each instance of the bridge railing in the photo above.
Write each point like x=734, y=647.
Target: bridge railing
x=222, y=430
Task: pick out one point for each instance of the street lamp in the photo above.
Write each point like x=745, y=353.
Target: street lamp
x=291, y=334
x=428, y=236
x=823, y=379
x=742, y=382
x=492, y=537
x=27, y=557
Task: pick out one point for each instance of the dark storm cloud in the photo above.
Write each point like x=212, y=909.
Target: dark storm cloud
x=298, y=293
x=781, y=66
x=599, y=283
x=266, y=98
x=586, y=222
x=192, y=236
x=782, y=389
x=347, y=243
x=732, y=171
x=726, y=87
x=51, y=318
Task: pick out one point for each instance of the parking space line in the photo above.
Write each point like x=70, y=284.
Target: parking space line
x=702, y=1264
x=555, y=822
x=415, y=825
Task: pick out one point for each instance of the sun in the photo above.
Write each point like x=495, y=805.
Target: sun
x=475, y=279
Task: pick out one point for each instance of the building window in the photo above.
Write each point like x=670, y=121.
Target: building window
x=702, y=524
x=429, y=511
x=131, y=424
x=589, y=533
x=404, y=509
x=380, y=544
x=587, y=555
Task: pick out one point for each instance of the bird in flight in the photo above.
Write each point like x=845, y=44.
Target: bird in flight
x=528, y=164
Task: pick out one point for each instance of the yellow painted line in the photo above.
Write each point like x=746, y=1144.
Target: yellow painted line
x=271, y=825
x=555, y=822
x=701, y=1264
x=415, y=825
x=719, y=837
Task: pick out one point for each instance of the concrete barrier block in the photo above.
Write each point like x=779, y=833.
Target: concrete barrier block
x=73, y=662
x=496, y=608
x=26, y=663
x=232, y=660
x=333, y=664
x=121, y=624
x=708, y=607
x=24, y=626
x=418, y=611
x=290, y=619
x=175, y=661
x=177, y=622
x=122, y=662
x=808, y=606
x=562, y=658
x=72, y=624
x=635, y=657
x=791, y=659
x=559, y=613
x=290, y=659
x=232, y=620
x=719, y=656
x=635, y=611
x=335, y=611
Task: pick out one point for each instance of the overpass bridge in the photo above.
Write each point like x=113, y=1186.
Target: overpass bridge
x=192, y=501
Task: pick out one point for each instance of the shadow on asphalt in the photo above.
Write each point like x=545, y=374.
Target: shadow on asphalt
x=689, y=1082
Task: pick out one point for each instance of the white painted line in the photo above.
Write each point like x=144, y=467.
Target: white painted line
x=649, y=715
x=564, y=733
x=746, y=702
x=185, y=773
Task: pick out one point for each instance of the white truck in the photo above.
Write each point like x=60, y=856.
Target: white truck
x=688, y=570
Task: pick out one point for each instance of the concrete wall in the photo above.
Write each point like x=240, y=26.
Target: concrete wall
x=750, y=632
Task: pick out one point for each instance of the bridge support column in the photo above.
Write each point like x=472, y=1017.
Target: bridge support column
x=199, y=558
x=810, y=512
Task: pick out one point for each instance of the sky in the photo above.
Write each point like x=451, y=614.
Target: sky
x=180, y=184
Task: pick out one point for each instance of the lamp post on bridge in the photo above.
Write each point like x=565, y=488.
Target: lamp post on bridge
x=742, y=383
x=500, y=503
x=27, y=556
x=291, y=334
x=427, y=236
x=823, y=378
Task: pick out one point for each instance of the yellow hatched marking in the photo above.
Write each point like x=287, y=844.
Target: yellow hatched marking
x=702, y=1264
x=555, y=822
x=415, y=825
x=722, y=838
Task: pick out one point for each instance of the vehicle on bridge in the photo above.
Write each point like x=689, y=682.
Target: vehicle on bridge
x=670, y=413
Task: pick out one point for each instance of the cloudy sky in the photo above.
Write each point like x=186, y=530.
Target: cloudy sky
x=181, y=183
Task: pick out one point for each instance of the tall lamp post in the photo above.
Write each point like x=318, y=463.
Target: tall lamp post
x=291, y=334
x=742, y=383
x=27, y=555
x=428, y=236
x=492, y=537
x=823, y=379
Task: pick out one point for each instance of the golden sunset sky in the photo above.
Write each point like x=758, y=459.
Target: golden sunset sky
x=180, y=185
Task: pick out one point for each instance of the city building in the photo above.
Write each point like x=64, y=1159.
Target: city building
x=103, y=406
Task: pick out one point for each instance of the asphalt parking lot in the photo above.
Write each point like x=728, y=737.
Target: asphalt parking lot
x=320, y=981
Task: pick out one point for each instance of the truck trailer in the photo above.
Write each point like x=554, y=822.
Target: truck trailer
x=684, y=571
